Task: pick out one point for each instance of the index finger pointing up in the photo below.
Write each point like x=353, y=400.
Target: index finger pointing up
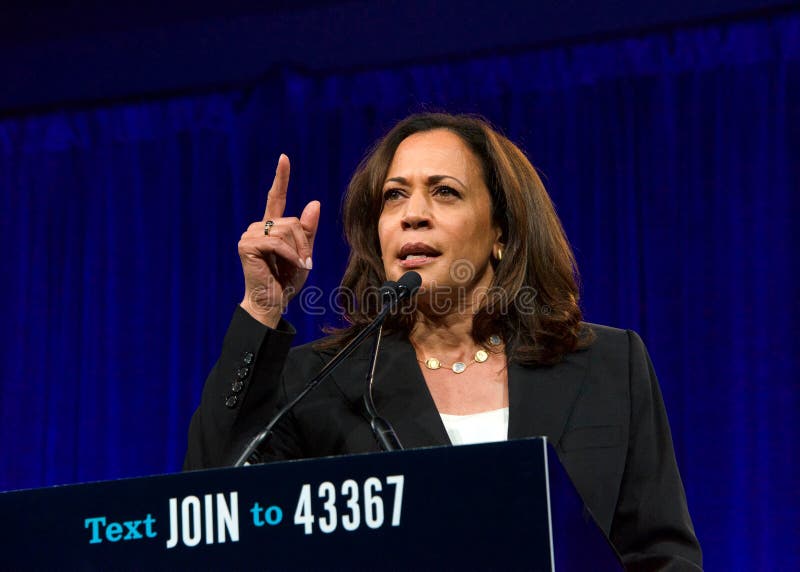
x=276, y=198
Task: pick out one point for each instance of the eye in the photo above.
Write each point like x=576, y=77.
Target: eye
x=392, y=194
x=445, y=191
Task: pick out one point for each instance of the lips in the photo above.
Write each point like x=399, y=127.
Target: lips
x=416, y=254
x=417, y=249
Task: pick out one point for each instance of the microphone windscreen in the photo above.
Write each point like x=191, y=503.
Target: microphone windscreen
x=411, y=281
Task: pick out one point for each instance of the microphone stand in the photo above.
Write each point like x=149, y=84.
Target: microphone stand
x=344, y=353
x=395, y=292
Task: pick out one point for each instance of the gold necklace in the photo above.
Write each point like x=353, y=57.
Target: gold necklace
x=481, y=356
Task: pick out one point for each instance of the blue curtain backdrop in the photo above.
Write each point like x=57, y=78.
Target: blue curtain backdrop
x=674, y=161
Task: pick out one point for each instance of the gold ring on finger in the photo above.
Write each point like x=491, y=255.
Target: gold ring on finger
x=267, y=226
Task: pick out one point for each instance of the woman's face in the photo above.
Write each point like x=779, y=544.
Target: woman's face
x=437, y=215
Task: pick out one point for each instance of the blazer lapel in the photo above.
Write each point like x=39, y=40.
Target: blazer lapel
x=541, y=399
x=400, y=393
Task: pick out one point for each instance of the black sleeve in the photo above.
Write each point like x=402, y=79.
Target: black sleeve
x=241, y=392
x=652, y=528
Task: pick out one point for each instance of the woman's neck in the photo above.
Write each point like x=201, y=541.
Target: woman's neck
x=445, y=337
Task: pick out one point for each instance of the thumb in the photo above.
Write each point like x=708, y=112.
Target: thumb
x=309, y=220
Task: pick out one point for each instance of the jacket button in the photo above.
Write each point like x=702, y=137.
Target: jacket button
x=248, y=358
x=242, y=372
x=237, y=386
x=231, y=401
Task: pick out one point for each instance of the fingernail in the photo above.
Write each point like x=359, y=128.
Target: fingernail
x=301, y=264
x=309, y=264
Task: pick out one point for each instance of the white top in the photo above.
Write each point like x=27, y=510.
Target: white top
x=477, y=428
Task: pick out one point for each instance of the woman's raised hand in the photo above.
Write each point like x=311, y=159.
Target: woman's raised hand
x=276, y=258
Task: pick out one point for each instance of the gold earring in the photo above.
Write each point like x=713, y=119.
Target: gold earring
x=499, y=254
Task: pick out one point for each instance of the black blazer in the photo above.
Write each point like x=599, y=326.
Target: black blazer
x=601, y=408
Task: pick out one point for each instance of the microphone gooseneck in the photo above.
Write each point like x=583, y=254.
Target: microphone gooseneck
x=381, y=428
x=393, y=293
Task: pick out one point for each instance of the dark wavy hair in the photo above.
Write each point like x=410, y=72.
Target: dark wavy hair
x=540, y=319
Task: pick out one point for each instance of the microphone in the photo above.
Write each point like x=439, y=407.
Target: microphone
x=389, y=291
x=408, y=284
x=384, y=432
x=393, y=293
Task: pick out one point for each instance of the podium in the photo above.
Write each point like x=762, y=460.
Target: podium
x=497, y=506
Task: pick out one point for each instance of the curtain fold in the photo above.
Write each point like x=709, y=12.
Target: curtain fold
x=674, y=162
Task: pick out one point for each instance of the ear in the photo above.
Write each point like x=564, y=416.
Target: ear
x=498, y=246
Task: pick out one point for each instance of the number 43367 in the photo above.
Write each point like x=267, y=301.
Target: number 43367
x=350, y=505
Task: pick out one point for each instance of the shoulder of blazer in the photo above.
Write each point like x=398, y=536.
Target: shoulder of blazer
x=611, y=348
x=608, y=335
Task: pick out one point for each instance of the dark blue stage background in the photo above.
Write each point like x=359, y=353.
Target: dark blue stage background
x=674, y=161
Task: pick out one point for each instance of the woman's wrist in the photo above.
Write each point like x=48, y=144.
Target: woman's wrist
x=269, y=315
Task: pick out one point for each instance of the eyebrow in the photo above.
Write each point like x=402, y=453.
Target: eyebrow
x=432, y=180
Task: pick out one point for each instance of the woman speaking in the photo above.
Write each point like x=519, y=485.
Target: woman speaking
x=492, y=348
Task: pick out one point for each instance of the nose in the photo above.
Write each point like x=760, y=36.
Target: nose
x=417, y=212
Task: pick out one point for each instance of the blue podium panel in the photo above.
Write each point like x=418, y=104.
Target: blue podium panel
x=477, y=507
